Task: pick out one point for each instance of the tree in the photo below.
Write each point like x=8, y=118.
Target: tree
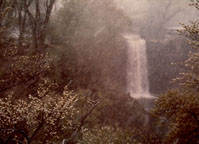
x=31, y=104
x=106, y=135
x=21, y=65
x=41, y=119
x=89, y=37
x=180, y=108
x=30, y=14
x=160, y=14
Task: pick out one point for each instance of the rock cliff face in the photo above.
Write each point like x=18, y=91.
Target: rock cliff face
x=163, y=62
x=161, y=55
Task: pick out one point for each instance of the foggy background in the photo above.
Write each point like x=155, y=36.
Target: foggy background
x=143, y=11
x=98, y=71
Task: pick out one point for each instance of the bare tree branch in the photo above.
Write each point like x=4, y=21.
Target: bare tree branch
x=19, y=131
x=82, y=123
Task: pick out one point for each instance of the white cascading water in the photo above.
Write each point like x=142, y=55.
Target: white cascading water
x=137, y=72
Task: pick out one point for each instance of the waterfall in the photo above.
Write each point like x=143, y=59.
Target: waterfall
x=137, y=72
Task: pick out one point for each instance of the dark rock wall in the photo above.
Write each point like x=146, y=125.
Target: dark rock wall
x=161, y=55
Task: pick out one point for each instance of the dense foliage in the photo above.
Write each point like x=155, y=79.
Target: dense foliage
x=63, y=77
x=43, y=50
x=38, y=119
x=89, y=34
x=179, y=108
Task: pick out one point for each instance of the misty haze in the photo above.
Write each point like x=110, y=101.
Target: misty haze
x=99, y=72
